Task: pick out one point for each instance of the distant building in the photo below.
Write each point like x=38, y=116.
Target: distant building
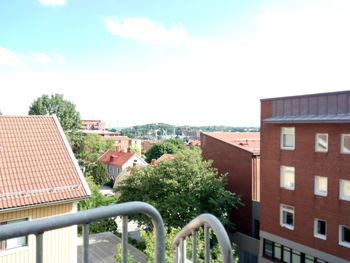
x=39, y=177
x=117, y=161
x=93, y=125
x=305, y=179
x=104, y=134
x=123, y=143
x=238, y=155
x=147, y=144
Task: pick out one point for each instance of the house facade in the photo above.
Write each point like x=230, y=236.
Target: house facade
x=93, y=125
x=117, y=161
x=39, y=178
x=238, y=155
x=305, y=179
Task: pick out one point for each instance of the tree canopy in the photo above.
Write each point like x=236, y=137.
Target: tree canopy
x=166, y=146
x=180, y=188
x=55, y=104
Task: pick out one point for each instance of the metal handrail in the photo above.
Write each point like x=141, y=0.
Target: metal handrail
x=39, y=226
x=206, y=220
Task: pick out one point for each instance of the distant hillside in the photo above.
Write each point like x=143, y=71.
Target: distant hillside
x=165, y=131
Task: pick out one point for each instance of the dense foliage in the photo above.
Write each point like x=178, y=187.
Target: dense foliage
x=91, y=148
x=95, y=200
x=166, y=146
x=180, y=188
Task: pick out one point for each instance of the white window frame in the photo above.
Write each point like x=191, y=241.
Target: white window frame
x=316, y=186
x=287, y=131
x=342, y=149
x=12, y=250
x=287, y=209
x=283, y=184
x=341, y=242
x=342, y=183
x=316, y=234
x=317, y=149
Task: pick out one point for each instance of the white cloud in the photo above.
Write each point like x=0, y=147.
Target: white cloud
x=40, y=58
x=10, y=58
x=52, y=2
x=146, y=30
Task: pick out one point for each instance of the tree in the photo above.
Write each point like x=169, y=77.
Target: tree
x=166, y=146
x=181, y=188
x=65, y=112
x=96, y=199
x=91, y=148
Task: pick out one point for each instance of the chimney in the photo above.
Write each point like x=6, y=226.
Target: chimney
x=113, y=158
x=154, y=162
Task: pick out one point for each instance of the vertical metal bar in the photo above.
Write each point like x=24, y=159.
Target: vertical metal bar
x=182, y=251
x=125, y=239
x=39, y=247
x=176, y=255
x=207, y=245
x=86, y=243
x=194, y=246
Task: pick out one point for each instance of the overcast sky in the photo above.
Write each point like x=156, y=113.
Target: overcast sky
x=180, y=62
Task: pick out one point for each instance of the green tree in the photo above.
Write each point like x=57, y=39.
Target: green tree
x=181, y=188
x=96, y=199
x=91, y=148
x=65, y=112
x=166, y=146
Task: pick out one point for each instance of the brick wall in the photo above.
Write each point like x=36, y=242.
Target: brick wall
x=308, y=164
x=237, y=163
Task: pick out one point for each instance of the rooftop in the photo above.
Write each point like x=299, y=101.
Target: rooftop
x=116, y=158
x=36, y=163
x=249, y=141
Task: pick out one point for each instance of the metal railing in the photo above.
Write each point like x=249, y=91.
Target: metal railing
x=191, y=229
x=39, y=226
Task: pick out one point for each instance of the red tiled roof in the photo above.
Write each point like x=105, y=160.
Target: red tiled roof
x=36, y=166
x=115, y=158
x=165, y=157
x=249, y=141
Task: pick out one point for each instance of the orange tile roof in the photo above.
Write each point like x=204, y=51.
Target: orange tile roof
x=249, y=141
x=116, y=158
x=36, y=166
x=165, y=157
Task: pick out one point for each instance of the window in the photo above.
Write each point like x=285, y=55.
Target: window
x=287, y=177
x=288, y=138
x=345, y=143
x=321, y=185
x=13, y=242
x=344, y=236
x=320, y=229
x=287, y=216
x=344, y=192
x=280, y=253
x=321, y=144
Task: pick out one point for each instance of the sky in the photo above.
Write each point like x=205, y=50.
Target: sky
x=177, y=62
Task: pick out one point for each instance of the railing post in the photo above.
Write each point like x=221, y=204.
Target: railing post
x=86, y=243
x=182, y=250
x=207, y=244
x=39, y=247
x=194, y=246
x=125, y=239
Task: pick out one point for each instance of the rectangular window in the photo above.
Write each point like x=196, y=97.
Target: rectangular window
x=321, y=143
x=320, y=229
x=321, y=185
x=344, y=191
x=13, y=242
x=287, y=216
x=268, y=245
x=344, y=236
x=287, y=177
x=288, y=138
x=345, y=143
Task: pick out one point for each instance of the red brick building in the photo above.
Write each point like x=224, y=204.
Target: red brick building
x=93, y=125
x=305, y=179
x=238, y=155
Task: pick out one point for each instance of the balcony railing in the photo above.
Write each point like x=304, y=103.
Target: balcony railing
x=39, y=226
